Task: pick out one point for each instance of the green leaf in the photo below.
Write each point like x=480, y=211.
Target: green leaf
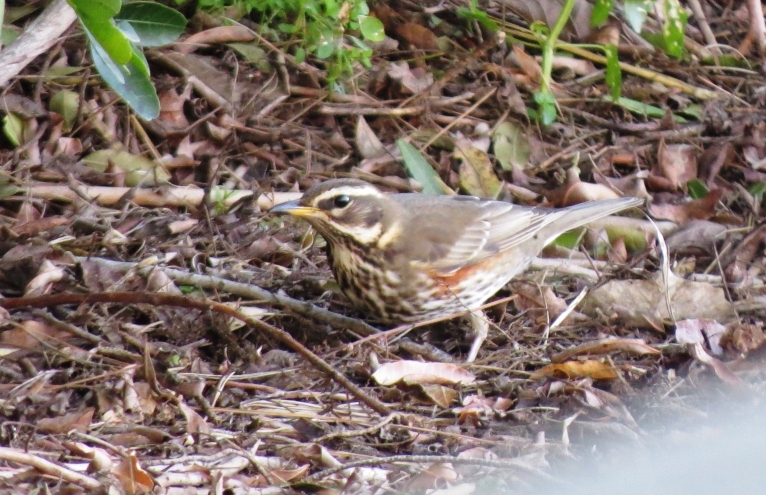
x=694, y=111
x=511, y=146
x=326, y=46
x=130, y=81
x=300, y=55
x=113, y=43
x=696, y=188
x=569, y=240
x=371, y=28
x=673, y=28
x=138, y=169
x=640, y=108
x=97, y=10
x=601, y=11
x=155, y=24
x=13, y=128
x=546, y=103
x=613, y=73
x=636, y=12
x=66, y=103
x=419, y=169
x=758, y=190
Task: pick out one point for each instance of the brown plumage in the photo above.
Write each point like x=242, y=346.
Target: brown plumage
x=413, y=257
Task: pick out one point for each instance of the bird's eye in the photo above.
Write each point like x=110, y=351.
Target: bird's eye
x=341, y=201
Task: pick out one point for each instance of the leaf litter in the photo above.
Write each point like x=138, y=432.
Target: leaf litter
x=150, y=394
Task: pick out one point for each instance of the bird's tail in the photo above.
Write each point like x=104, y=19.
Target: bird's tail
x=579, y=215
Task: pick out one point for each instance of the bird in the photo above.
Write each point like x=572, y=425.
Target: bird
x=411, y=257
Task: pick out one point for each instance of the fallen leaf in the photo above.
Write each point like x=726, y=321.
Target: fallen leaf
x=216, y=35
x=577, y=369
x=417, y=36
x=132, y=476
x=440, y=395
x=698, y=209
x=575, y=191
x=59, y=425
x=700, y=331
x=677, y=163
x=642, y=303
x=400, y=72
x=512, y=150
x=721, y=370
x=367, y=143
x=544, y=305
x=416, y=372
x=741, y=338
x=606, y=346
x=476, y=174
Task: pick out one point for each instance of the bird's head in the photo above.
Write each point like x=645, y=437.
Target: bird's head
x=343, y=210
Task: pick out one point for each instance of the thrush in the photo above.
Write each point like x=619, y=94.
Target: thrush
x=412, y=257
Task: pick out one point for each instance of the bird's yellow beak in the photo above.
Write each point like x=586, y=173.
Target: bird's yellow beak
x=294, y=209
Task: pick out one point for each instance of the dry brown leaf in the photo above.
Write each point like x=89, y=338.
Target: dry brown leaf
x=528, y=64
x=440, y=395
x=713, y=160
x=606, y=346
x=416, y=372
x=367, y=143
x=577, y=369
x=32, y=334
x=677, y=163
x=575, y=191
x=698, y=209
x=100, y=460
x=604, y=402
x=181, y=226
x=641, y=303
x=721, y=370
x=475, y=407
x=477, y=173
x=544, y=305
x=288, y=475
x=433, y=476
x=44, y=280
x=78, y=421
x=172, y=108
x=417, y=36
x=194, y=422
x=414, y=84
x=35, y=227
x=696, y=235
x=742, y=338
x=216, y=35
x=701, y=331
x=133, y=478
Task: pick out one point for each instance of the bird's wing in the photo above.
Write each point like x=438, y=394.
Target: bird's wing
x=498, y=227
x=465, y=230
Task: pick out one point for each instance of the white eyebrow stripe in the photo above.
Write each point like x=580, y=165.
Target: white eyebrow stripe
x=351, y=191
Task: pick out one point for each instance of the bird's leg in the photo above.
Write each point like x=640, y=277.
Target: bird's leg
x=480, y=327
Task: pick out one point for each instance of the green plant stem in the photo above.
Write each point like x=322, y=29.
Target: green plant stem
x=527, y=37
x=550, y=44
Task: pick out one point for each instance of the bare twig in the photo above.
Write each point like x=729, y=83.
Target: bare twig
x=249, y=291
x=40, y=35
x=49, y=468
